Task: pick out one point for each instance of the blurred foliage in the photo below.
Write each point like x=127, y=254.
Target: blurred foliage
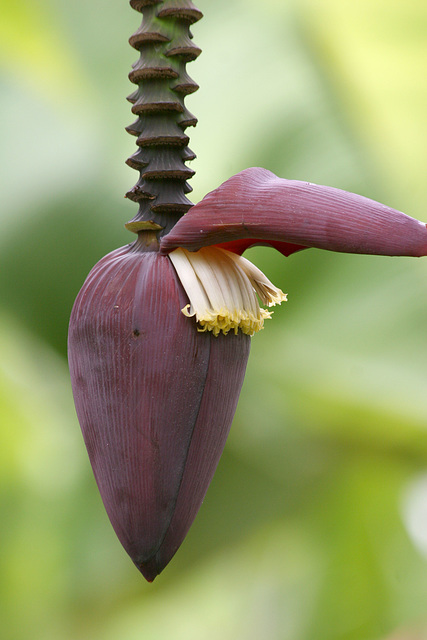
x=315, y=526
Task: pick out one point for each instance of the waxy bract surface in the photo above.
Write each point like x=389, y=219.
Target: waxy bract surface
x=255, y=206
x=155, y=399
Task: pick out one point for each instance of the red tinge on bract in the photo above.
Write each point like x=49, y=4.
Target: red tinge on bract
x=155, y=399
x=257, y=207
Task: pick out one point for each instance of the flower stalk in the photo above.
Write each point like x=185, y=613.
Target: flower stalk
x=165, y=45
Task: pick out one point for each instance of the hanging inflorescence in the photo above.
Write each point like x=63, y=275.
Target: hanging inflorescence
x=165, y=44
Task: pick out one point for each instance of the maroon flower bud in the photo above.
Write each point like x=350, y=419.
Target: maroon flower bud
x=155, y=399
x=257, y=207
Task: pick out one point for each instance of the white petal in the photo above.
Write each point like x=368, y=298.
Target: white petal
x=269, y=294
x=222, y=288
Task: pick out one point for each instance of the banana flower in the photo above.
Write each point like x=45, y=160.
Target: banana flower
x=156, y=388
x=160, y=332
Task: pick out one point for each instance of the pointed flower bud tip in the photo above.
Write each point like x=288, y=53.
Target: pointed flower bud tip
x=222, y=288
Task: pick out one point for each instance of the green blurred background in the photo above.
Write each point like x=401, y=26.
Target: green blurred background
x=315, y=526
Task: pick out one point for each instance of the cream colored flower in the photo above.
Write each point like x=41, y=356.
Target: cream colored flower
x=222, y=288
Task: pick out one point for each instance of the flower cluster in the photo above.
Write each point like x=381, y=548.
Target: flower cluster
x=160, y=332
x=222, y=288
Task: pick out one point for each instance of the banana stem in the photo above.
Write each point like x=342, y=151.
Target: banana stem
x=164, y=42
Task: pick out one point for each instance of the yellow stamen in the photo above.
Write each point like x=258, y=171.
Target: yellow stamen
x=222, y=288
